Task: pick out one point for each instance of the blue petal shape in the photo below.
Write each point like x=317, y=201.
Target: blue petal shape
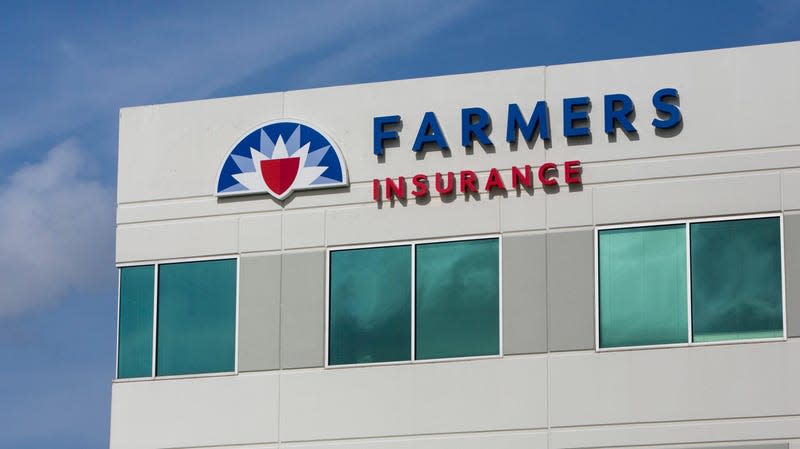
x=234, y=188
x=293, y=144
x=323, y=180
x=315, y=156
x=245, y=164
x=334, y=170
x=267, y=145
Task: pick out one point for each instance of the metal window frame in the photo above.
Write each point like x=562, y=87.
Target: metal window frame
x=687, y=226
x=413, y=244
x=156, y=264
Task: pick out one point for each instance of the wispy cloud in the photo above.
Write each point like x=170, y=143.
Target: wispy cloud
x=56, y=232
x=56, y=226
x=182, y=55
x=385, y=42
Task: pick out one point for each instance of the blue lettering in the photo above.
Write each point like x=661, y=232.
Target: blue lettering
x=476, y=130
x=516, y=121
x=570, y=117
x=670, y=110
x=429, y=132
x=618, y=116
x=379, y=135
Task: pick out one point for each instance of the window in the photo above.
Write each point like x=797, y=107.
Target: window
x=418, y=301
x=193, y=308
x=135, y=349
x=370, y=305
x=695, y=281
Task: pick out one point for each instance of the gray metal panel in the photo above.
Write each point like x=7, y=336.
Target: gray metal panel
x=791, y=237
x=570, y=290
x=525, y=294
x=259, y=312
x=303, y=310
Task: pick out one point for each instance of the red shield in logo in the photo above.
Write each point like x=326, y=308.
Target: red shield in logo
x=279, y=174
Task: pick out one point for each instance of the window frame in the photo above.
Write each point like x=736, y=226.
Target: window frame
x=687, y=222
x=156, y=264
x=413, y=244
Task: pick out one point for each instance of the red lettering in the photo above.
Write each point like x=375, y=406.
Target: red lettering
x=468, y=180
x=494, y=181
x=397, y=190
x=450, y=183
x=572, y=168
x=518, y=178
x=420, y=181
x=376, y=190
x=544, y=177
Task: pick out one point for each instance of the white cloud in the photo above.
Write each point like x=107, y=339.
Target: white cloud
x=56, y=232
x=359, y=54
x=56, y=225
x=185, y=54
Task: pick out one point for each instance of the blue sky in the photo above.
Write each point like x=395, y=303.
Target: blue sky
x=68, y=68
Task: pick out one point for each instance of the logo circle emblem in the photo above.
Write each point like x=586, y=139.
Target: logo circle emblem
x=279, y=158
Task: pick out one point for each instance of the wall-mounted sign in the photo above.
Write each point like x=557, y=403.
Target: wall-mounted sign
x=618, y=112
x=279, y=158
x=476, y=125
x=467, y=181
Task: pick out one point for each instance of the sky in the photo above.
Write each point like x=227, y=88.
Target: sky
x=68, y=67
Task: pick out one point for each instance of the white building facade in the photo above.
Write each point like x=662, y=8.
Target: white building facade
x=602, y=254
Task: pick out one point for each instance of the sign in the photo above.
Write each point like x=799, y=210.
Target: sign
x=282, y=157
x=618, y=112
x=467, y=181
x=279, y=158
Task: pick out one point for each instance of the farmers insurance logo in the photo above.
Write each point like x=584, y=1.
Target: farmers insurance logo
x=279, y=158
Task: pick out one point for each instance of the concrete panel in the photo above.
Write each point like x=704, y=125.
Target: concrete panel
x=737, y=433
x=369, y=223
x=229, y=410
x=790, y=190
x=177, y=149
x=791, y=250
x=260, y=233
x=525, y=294
x=727, y=162
x=697, y=197
x=570, y=290
x=523, y=213
x=483, y=440
x=303, y=310
x=425, y=398
x=303, y=229
x=259, y=312
x=567, y=208
x=518, y=213
x=671, y=384
x=210, y=206
x=192, y=238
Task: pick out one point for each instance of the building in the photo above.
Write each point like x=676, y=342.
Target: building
x=602, y=254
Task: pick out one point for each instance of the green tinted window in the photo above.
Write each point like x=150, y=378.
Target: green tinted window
x=736, y=280
x=642, y=286
x=135, y=350
x=196, y=317
x=457, y=299
x=370, y=305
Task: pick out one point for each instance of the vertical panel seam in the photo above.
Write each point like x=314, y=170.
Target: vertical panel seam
x=547, y=288
x=280, y=339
